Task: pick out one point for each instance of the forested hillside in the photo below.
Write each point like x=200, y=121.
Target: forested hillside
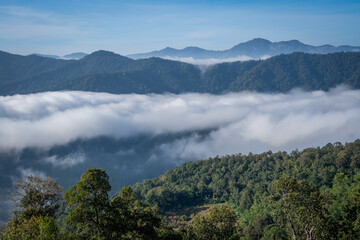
x=104, y=71
x=253, y=185
x=310, y=194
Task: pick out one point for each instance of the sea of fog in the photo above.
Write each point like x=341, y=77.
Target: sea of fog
x=133, y=137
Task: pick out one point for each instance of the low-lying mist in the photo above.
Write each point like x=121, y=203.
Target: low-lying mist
x=212, y=61
x=134, y=137
x=240, y=122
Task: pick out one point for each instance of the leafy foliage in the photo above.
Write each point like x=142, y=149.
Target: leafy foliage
x=36, y=199
x=257, y=187
x=219, y=223
x=89, y=200
x=36, y=196
x=303, y=203
x=37, y=228
x=96, y=216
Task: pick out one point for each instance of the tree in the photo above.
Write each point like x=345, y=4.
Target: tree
x=218, y=224
x=38, y=228
x=274, y=232
x=89, y=201
x=355, y=208
x=95, y=215
x=131, y=218
x=36, y=196
x=36, y=199
x=303, y=205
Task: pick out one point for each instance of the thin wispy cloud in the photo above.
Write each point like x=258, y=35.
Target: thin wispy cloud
x=26, y=23
x=23, y=12
x=66, y=161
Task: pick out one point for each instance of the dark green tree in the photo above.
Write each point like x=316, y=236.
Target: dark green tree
x=90, y=203
x=131, y=218
x=94, y=215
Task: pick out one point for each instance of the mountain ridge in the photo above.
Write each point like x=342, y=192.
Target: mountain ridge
x=255, y=48
x=104, y=71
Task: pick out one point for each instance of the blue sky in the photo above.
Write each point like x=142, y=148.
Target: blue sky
x=61, y=27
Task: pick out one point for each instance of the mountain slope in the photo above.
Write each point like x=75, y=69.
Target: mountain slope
x=62, y=70
x=17, y=68
x=256, y=48
x=247, y=183
x=236, y=178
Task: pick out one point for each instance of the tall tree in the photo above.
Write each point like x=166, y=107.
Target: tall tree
x=97, y=216
x=89, y=201
x=304, y=206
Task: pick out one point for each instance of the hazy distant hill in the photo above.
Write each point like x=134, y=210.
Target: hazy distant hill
x=256, y=48
x=76, y=55
x=47, y=55
x=109, y=72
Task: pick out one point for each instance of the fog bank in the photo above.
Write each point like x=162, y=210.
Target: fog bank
x=240, y=122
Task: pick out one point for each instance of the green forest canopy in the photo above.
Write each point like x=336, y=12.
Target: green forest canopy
x=309, y=194
x=246, y=183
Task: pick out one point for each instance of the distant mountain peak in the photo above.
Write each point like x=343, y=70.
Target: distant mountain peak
x=256, y=48
x=192, y=47
x=102, y=53
x=259, y=40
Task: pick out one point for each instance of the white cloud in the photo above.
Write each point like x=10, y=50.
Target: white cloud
x=237, y=122
x=205, y=63
x=66, y=161
x=210, y=61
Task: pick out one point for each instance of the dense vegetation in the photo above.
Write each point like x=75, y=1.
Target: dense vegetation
x=312, y=194
x=247, y=183
x=87, y=213
x=108, y=72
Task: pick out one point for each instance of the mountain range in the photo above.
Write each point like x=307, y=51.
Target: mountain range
x=257, y=48
x=104, y=71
